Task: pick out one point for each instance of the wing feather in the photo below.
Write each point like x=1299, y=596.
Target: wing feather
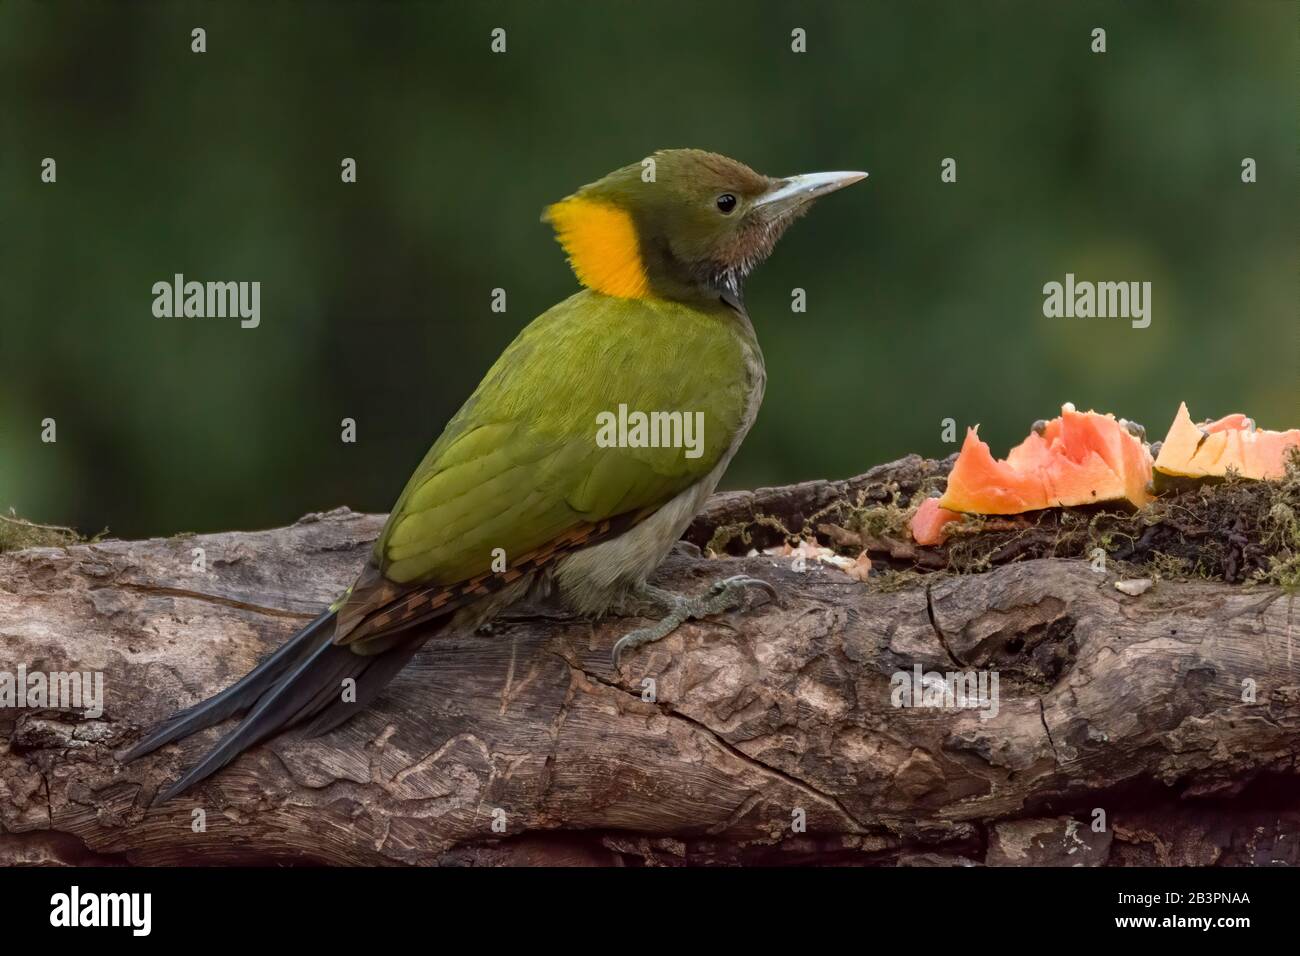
x=519, y=466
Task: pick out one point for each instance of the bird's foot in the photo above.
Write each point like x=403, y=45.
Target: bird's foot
x=726, y=594
x=646, y=600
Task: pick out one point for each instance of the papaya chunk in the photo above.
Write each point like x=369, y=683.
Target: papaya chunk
x=1079, y=458
x=929, y=523
x=1232, y=443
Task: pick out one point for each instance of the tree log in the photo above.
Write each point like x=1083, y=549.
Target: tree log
x=1158, y=728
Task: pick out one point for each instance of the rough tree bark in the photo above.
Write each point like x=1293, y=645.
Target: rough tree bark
x=1131, y=706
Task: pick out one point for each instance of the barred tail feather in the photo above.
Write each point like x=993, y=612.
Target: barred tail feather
x=313, y=687
x=237, y=697
x=302, y=680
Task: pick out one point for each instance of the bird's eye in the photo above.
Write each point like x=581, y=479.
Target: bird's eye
x=726, y=202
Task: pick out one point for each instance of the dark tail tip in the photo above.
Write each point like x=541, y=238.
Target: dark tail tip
x=312, y=688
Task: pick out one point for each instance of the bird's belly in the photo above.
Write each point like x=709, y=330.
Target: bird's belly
x=595, y=578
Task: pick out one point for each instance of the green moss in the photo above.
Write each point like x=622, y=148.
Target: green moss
x=889, y=580
x=1282, y=535
x=887, y=519
x=725, y=537
x=1168, y=566
x=1231, y=530
x=18, y=533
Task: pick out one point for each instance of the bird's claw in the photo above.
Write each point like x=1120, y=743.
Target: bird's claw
x=737, y=581
x=724, y=595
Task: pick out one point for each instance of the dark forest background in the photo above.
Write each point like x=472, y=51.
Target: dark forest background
x=924, y=298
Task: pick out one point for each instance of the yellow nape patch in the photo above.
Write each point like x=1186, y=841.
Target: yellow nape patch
x=601, y=243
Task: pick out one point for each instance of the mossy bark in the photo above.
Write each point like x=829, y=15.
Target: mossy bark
x=1171, y=718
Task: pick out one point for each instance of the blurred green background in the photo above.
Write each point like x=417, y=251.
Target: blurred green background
x=924, y=298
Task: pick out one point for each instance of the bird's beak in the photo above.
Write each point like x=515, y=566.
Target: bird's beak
x=797, y=190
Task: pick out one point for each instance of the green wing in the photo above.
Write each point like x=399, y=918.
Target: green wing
x=519, y=464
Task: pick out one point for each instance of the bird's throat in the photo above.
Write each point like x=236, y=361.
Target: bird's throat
x=601, y=242
x=609, y=255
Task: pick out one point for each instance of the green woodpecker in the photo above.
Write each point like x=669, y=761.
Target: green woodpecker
x=532, y=467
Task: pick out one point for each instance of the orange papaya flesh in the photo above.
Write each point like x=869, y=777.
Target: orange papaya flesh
x=1232, y=443
x=930, y=521
x=1079, y=458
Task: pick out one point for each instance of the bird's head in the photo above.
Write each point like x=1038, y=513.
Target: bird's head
x=681, y=224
